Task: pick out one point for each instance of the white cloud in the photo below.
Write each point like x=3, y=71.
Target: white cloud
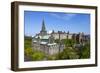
x=69, y=16
x=66, y=16
x=55, y=15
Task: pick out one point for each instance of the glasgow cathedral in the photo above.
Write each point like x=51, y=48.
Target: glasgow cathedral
x=45, y=42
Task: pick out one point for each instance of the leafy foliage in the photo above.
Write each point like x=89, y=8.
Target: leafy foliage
x=69, y=51
x=52, y=57
x=34, y=55
x=30, y=52
x=27, y=42
x=68, y=42
x=85, y=51
x=38, y=56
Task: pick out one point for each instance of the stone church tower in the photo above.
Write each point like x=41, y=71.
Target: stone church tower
x=43, y=30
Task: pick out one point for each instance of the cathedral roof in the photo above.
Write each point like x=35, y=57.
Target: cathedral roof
x=43, y=37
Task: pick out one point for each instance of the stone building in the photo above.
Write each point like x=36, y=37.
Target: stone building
x=46, y=42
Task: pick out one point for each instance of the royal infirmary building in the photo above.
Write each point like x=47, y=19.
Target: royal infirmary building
x=45, y=42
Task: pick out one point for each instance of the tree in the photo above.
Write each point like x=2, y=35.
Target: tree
x=28, y=52
x=52, y=57
x=68, y=42
x=28, y=42
x=38, y=56
x=68, y=53
x=85, y=51
x=34, y=55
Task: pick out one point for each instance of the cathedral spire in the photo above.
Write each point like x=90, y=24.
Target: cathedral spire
x=43, y=26
x=43, y=29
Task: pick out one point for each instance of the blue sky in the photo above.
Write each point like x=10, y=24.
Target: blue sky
x=57, y=21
